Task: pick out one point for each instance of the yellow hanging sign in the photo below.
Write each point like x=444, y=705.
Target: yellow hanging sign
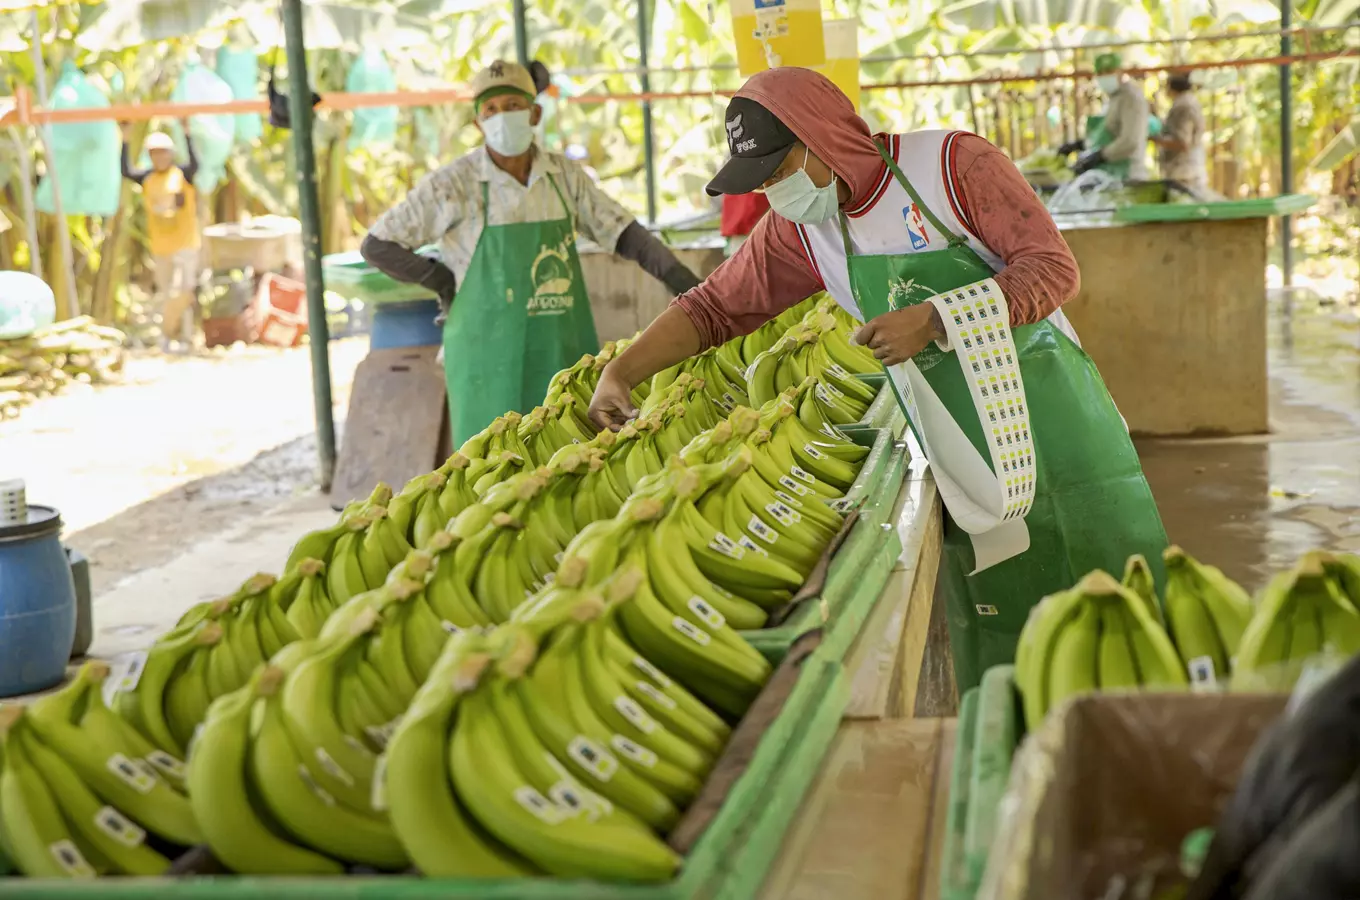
x=842, y=56
x=771, y=33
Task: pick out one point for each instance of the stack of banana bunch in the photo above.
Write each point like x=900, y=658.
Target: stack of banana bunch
x=561, y=419
x=1309, y=610
x=281, y=774
x=570, y=739
x=766, y=336
x=818, y=347
x=83, y=794
x=1098, y=635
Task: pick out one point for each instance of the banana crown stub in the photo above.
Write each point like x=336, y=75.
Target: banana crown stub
x=1098, y=582
x=268, y=680
x=257, y=584
x=311, y=566
x=209, y=633
x=623, y=585
x=10, y=714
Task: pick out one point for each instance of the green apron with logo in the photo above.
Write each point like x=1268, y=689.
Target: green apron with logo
x=521, y=316
x=1092, y=507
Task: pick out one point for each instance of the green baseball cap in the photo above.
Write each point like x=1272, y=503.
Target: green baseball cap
x=1108, y=62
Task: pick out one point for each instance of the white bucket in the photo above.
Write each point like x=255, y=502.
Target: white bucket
x=13, y=502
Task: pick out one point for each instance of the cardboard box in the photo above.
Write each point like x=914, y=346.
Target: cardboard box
x=1106, y=790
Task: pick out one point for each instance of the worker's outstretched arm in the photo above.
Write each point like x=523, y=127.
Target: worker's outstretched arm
x=433, y=207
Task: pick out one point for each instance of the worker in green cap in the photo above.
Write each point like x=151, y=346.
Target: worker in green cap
x=1115, y=142
x=505, y=219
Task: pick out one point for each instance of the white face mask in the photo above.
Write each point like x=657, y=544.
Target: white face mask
x=509, y=133
x=1108, y=83
x=798, y=199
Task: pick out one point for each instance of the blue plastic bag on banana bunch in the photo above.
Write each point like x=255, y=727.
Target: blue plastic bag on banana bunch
x=239, y=67
x=1320, y=860
x=85, y=154
x=213, y=134
x=375, y=125
x=26, y=304
x=1297, y=767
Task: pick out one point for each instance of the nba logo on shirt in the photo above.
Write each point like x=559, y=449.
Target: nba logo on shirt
x=916, y=227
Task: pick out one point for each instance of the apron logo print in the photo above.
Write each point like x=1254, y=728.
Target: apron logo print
x=916, y=227
x=986, y=609
x=553, y=282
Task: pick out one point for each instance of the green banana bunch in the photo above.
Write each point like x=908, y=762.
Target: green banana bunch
x=1302, y=613
x=1138, y=578
x=237, y=827
x=1344, y=571
x=100, y=754
x=1097, y=635
x=1206, y=613
x=415, y=787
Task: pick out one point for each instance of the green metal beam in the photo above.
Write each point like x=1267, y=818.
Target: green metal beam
x=300, y=114
x=648, y=147
x=1286, y=144
x=521, y=33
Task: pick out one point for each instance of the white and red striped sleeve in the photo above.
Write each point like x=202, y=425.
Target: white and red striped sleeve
x=772, y=271
x=995, y=203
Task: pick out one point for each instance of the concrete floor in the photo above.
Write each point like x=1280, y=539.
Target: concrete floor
x=1252, y=505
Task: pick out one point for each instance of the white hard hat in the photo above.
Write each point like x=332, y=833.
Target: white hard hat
x=159, y=140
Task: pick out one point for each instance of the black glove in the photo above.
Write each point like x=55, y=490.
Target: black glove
x=1088, y=161
x=1072, y=147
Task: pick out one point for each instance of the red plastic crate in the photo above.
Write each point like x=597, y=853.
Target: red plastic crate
x=285, y=294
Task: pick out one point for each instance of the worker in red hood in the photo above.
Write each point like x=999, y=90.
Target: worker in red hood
x=935, y=241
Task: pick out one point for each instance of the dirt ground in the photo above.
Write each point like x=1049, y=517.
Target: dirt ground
x=180, y=451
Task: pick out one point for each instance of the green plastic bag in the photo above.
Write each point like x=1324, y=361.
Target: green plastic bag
x=374, y=125
x=213, y=134
x=85, y=154
x=239, y=67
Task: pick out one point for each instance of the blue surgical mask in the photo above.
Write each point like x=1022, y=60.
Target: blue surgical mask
x=509, y=133
x=1108, y=83
x=798, y=199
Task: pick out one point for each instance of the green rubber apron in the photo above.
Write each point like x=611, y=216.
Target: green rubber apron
x=1091, y=505
x=521, y=315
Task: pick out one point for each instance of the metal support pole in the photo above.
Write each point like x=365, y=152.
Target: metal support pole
x=648, y=147
x=68, y=263
x=521, y=33
x=1286, y=146
x=300, y=112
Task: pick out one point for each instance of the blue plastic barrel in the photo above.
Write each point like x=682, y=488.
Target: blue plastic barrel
x=409, y=323
x=37, y=604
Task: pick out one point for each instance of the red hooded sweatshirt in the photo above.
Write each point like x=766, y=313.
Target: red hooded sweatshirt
x=770, y=272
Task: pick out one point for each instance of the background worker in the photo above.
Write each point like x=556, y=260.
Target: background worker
x=505, y=218
x=1181, y=142
x=172, y=232
x=889, y=224
x=740, y=213
x=1115, y=143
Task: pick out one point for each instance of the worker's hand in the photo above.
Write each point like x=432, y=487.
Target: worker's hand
x=897, y=336
x=612, y=406
x=1088, y=161
x=1071, y=147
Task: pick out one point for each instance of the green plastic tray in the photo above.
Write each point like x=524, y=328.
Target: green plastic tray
x=755, y=848
x=350, y=276
x=955, y=883
x=995, y=737
x=877, y=488
x=1260, y=207
x=741, y=838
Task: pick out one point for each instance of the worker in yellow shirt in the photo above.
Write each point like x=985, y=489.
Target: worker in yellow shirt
x=172, y=232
